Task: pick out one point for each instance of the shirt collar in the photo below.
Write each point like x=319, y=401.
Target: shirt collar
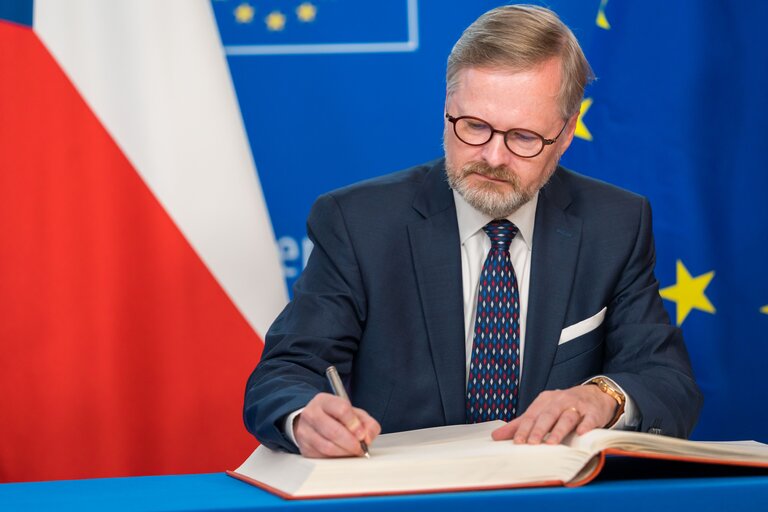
x=471, y=221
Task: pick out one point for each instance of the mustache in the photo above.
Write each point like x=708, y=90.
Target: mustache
x=499, y=172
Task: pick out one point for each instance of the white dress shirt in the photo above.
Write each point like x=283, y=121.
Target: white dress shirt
x=475, y=245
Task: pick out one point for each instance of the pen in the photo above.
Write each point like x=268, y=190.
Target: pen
x=338, y=390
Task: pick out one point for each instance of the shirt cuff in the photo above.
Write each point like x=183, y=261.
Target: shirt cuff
x=629, y=419
x=288, y=425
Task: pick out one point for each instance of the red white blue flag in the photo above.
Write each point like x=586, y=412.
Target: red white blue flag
x=138, y=270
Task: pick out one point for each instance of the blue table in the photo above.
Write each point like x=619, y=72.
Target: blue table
x=218, y=491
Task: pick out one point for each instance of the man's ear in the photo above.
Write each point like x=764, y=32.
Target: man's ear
x=567, y=136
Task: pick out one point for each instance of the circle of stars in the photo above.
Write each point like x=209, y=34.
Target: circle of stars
x=275, y=21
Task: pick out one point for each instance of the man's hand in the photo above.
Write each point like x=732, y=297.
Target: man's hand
x=330, y=427
x=555, y=414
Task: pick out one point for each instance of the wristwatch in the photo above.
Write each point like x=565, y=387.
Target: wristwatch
x=610, y=389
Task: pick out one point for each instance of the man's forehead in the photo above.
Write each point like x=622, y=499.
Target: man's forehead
x=548, y=71
x=493, y=91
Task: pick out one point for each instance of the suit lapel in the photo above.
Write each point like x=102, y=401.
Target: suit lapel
x=556, y=240
x=435, y=248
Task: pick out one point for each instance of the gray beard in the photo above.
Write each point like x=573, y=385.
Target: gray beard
x=487, y=197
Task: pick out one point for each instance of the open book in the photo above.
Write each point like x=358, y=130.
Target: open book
x=464, y=457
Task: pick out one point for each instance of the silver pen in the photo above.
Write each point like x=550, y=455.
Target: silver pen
x=338, y=389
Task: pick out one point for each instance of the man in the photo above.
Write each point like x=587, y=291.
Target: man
x=492, y=284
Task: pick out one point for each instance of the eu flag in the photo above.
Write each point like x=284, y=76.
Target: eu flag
x=316, y=26
x=679, y=114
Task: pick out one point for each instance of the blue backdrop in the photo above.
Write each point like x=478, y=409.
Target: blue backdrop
x=335, y=91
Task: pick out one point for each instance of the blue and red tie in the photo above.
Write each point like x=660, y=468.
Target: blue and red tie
x=494, y=369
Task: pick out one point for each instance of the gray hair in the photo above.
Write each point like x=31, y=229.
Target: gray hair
x=519, y=37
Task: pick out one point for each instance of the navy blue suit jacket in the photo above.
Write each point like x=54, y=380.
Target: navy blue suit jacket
x=381, y=298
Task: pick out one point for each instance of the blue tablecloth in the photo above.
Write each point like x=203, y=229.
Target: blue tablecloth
x=217, y=491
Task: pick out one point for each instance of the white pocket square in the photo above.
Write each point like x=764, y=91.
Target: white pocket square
x=583, y=327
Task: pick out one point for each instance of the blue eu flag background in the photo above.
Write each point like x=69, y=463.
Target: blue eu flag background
x=302, y=26
x=678, y=114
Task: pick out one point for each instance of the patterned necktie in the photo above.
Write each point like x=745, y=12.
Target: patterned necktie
x=494, y=369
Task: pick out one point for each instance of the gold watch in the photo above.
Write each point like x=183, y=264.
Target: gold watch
x=611, y=390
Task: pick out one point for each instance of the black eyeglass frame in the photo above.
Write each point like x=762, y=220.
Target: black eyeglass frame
x=544, y=141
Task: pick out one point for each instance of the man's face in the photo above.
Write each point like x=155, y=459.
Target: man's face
x=490, y=177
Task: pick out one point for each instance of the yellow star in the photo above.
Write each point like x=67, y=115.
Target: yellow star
x=601, y=20
x=275, y=21
x=764, y=309
x=581, y=129
x=688, y=292
x=244, y=13
x=306, y=12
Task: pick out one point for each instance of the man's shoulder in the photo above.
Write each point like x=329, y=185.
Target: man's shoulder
x=389, y=186
x=579, y=185
x=601, y=207
x=591, y=197
x=385, y=204
x=396, y=197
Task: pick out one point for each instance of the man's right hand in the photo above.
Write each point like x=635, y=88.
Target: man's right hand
x=330, y=427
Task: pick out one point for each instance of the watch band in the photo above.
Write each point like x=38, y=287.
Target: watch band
x=610, y=389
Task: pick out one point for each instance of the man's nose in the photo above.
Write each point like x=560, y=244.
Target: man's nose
x=495, y=152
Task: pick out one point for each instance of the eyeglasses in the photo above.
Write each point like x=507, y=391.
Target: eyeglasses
x=523, y=143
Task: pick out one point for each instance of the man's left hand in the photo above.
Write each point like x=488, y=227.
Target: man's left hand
x=555, y=414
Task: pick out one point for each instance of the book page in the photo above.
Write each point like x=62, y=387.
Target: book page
x=442, y=458
x=727, y=451
x=437, y=435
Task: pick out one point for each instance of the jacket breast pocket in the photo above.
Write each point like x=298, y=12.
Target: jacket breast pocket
x=577, y=360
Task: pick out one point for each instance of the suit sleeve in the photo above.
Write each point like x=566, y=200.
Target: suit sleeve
x=319, y=327
x=646, y=355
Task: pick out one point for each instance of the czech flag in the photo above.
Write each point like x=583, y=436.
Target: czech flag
x=138, y=268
